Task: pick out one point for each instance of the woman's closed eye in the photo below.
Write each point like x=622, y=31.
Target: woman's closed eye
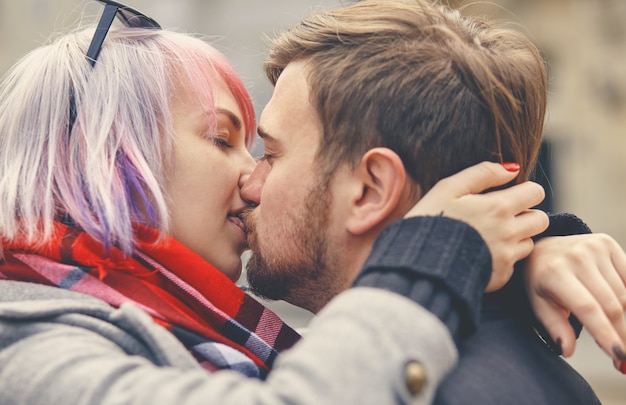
x=221, y=141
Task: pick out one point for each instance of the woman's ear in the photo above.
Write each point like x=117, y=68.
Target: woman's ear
x=381, y=182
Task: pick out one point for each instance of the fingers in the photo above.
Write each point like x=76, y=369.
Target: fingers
x=468, y=184
x=523, y=249
x=607, y=287
x=503, y=263
x=618, y=258
x=585, y=305
x=521, y=196
x=519, y=245
x=610, y=294
x=530, y=223
x=608, y=315
x=583, y=274
x=478, y=178
x=556, y=322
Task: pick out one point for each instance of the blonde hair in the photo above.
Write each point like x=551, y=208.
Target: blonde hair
x=442, y=90
x=107, y=172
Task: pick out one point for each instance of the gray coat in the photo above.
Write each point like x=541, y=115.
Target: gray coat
x=61, y=347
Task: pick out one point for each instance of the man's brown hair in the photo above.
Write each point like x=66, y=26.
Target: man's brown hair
x=442, y=90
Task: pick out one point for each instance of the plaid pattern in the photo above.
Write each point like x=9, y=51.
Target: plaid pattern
x=223, y=327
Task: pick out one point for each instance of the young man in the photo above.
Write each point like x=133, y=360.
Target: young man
x=373, y=105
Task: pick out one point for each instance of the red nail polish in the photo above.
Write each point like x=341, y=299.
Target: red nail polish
x=510, y=166
x=622, y=367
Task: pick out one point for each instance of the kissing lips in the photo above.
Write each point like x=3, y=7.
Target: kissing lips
x=240, y=225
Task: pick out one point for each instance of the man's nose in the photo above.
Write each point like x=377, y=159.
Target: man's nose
x=253, y=185
x=248, y=166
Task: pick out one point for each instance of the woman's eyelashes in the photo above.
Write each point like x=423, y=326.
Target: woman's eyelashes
x=221, y=141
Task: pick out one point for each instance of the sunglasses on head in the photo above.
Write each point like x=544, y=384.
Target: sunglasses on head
x=127, y=15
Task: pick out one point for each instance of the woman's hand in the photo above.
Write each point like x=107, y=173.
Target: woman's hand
x=503, y=218
x=584, y=275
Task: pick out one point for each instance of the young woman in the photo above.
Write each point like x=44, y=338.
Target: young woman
x=121, y=159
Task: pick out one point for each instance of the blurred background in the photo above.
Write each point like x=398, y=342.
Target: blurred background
x=583, y=42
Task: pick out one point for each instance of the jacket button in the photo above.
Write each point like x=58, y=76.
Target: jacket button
x=415, y=377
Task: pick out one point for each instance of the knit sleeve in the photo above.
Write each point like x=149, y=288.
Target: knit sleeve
x=440, y=263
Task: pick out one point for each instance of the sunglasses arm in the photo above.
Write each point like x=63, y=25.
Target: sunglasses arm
x=108, y=15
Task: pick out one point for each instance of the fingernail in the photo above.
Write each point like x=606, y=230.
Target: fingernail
x=510, y=166
x=559, y=347
x=622, y=367
x=619, y=353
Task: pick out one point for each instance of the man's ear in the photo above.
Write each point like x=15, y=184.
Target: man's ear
x=381, y=183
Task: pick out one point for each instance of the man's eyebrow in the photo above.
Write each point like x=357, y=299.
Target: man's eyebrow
x=264, y=135
x=233, y=118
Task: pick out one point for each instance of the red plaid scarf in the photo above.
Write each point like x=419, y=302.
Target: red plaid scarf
x=206, y=311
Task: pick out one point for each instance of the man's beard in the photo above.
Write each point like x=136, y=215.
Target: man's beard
x=301, y=273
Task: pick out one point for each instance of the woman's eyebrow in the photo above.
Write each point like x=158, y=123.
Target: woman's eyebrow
x=233, y=118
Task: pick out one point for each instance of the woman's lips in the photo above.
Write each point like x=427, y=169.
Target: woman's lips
x=240, y=225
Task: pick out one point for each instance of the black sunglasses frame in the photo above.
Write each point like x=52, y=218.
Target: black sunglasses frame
x=127, y=15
